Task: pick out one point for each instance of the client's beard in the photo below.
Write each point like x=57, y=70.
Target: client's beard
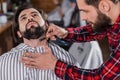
x=102, y=23
x=34, y=33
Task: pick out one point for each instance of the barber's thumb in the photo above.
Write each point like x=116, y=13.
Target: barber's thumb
x=31, y=55
x=53, y=38
x=50, y=36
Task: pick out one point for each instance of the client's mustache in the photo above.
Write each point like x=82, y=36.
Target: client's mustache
x=31, y=22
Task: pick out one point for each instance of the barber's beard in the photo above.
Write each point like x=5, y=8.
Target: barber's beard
x=33, y=33
x=102, y=23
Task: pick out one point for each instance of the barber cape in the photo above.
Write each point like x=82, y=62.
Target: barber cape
x=12, y=69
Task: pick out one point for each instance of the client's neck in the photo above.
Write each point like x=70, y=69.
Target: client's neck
x=35, y=42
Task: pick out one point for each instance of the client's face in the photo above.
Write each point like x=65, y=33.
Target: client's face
x=31, y=24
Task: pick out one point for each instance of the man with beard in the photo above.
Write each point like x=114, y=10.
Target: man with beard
x=30, y=29
x=103, y=17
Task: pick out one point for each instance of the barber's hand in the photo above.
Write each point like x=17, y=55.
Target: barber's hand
x=54, y=30
x=40, y=61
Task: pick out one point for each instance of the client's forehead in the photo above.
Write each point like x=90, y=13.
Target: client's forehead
x=29, y=11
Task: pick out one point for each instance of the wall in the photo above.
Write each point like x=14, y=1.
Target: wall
x=6, y=39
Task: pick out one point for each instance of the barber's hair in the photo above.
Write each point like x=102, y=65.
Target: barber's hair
x=96, y=2
x=15, y=26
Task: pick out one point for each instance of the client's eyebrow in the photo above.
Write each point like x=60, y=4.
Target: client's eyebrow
x=25, y=14
x=34, y=12
x=22, y=15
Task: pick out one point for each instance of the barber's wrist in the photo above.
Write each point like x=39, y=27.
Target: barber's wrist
x=65, y=33
x=60, y=69
x=54, y=63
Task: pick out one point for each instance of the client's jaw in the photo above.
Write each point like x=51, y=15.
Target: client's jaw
x=43, y=37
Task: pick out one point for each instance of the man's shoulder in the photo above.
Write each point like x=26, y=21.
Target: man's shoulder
x=14, y=51
x=9, y=53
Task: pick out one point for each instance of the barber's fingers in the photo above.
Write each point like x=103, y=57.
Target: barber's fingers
x=43, y=60
x=27, y=60
x=31, y=66
x=30, y=55
x=52, y=31
x=51, y=28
